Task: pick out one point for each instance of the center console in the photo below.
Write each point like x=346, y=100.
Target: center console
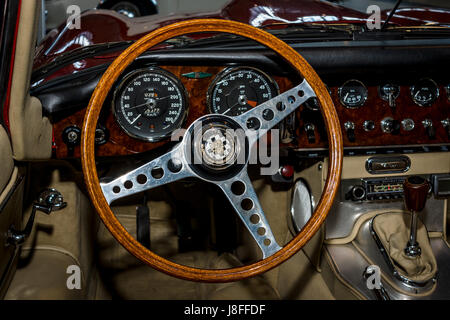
x=373, y=188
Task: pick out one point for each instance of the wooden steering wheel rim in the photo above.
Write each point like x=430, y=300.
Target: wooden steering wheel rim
x=90, y=171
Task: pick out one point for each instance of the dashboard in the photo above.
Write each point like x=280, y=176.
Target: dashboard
x=150, y=103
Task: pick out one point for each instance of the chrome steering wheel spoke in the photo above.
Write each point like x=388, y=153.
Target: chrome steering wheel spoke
x=174, y=165
x=268, y=114
x=166, y=169
x=242, y=196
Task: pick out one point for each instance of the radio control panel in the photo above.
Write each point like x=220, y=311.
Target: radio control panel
x=376, y=189
x=386, y=188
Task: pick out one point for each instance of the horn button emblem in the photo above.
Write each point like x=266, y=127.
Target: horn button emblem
x=219, y=146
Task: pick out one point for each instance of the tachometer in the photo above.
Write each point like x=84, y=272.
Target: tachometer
x=236, y=90
x=150, y=104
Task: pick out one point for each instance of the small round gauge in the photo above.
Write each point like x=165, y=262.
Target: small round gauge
x=236, y=90
x=353, y=94
x=425, y=92
x=150, y=104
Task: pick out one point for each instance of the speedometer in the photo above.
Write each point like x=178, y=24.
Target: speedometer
x=150, y=104
x=236, y=90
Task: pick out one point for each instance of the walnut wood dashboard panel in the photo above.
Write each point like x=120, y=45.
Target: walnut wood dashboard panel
x=374, y=109
x=119, y=142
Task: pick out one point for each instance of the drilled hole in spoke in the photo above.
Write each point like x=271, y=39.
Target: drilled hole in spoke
x=174, y=165
x=253, y=124
x=142, y=179
x=255, y=219
x=267, y=242
x=128, y=185
x=301, y=93
x=116, y=190
x=281, y=106
x=261, y=231
x=157, y=173
x=268, y=115
x=238, y=188
x=247, y=204
x=291, y=99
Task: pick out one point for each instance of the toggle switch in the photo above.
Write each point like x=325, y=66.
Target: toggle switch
x=310, y=132
x=429, y=127
x=350, y=129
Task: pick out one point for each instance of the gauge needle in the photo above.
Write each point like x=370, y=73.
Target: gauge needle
x=249, y=102
x=252, y=103
x=146, y=103
x=228, y=110
x=136, y=119
x=138, y=106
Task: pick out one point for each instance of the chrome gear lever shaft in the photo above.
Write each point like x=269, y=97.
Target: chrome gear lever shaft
x=416, y=191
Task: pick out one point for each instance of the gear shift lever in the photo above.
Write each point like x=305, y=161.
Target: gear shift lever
x=416, y=191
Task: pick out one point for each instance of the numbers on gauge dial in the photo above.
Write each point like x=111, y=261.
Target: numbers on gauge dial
x=236, y=90
x=150, y=104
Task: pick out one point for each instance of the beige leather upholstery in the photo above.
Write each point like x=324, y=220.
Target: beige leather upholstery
x=393, y=231
x=6, y=159
x=44, y=277
x=31, y=132
x=59, y=240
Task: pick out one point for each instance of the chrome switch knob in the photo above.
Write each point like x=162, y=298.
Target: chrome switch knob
x=408, y=124
x=389, y=125
x=368, y=125
x=446, y=125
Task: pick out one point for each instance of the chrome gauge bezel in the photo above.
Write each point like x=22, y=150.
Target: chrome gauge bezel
x=436, y=93
x=364, y=98
x=447, y=90
x=172, y=77
x=224, y=73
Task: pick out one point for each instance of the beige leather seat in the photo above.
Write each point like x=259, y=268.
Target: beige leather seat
x=42, y=276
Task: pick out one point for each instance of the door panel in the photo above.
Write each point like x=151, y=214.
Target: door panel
x=11, y=180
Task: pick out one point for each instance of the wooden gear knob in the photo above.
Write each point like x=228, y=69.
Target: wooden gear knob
x=416, y=191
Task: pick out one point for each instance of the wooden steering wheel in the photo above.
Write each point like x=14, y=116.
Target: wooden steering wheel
x=233, y=180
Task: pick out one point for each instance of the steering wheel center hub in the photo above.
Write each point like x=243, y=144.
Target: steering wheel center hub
x=218, y=147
